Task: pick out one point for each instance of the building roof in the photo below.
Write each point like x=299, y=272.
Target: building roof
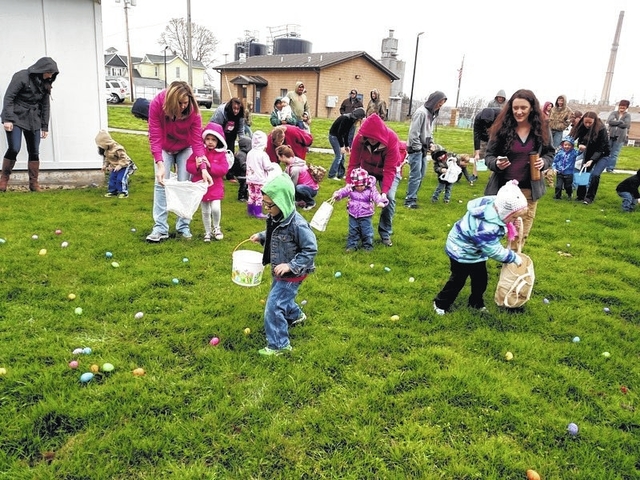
x=302, y=61
x=249, y=80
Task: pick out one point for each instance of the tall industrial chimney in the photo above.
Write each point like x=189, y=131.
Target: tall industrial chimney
x=606, y=88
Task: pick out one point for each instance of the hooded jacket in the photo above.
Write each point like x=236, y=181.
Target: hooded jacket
x=258, y=163
x=299, y=173
x=494, y=103
x=298, y=103
x=378, y=105
x=173, y=134
x=421, y=128
x=299, y=140
x=476, y=236
x=232, y=125
x=376, y=149
x=26, y=100
x=350, y=104
x=218, y=165
x=560, y=117
x=361, y=204
x=341, y=126
x=291, y=241
x=481, y=125
x=114, y=153
x=239, y=168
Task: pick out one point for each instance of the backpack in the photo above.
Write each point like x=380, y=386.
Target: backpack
x=453, y=171
x=140, y=108
x=317, y=172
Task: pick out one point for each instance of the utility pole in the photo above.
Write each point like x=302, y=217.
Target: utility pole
x=127, y=4
x=189, y=42
x=608, y=78
x=413, y=78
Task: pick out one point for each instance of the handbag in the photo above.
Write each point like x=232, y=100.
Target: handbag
x=322, y=216
x=183, y=198
x=515, y=284
x=581, y=178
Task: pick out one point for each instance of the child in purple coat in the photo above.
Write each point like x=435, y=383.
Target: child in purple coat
x=363, y=198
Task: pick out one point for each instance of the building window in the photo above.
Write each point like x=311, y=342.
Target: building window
x=283, y=92
x=177, y=72
x=155, y=69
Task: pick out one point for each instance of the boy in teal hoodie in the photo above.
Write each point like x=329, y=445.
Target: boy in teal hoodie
x=290, y=247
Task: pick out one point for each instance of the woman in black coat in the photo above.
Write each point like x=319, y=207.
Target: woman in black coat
x=25, y=113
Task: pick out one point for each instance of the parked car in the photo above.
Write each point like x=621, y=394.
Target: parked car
x=117, y=90
x=204, y=97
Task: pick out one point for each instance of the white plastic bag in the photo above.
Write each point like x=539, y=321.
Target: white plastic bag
x=453, y=171
x=322, y=216
x=230, y=158
x=183, y=198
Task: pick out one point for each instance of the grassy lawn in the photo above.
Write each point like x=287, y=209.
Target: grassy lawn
x=362, y=395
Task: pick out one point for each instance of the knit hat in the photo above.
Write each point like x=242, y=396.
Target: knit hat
x=568, y=138
x=437, y=154
x=359, y=177
x=510, y=199
x=359, y=113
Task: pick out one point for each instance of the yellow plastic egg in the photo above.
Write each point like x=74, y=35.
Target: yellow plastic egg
x=138, y=372
x=94, y=368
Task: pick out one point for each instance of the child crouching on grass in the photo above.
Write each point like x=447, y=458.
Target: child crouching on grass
x=117, y=163
x=363, y=198
x=627, y=189
x=290, y=247
x=475, y=238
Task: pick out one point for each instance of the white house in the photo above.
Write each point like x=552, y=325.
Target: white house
x=70, y=32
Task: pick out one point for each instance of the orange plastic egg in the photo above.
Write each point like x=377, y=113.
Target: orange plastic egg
x=532, y=475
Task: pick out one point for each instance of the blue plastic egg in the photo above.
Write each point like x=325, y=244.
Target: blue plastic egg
x=86, y=351
x=86, y=377
x=108, y=254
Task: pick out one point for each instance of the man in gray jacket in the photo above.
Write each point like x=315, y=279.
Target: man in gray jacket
x=419, y=142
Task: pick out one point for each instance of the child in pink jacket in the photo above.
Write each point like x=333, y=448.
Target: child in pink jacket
x=211, y=169
x=363, y=198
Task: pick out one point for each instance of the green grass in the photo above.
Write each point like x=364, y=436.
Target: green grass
x=361, y=396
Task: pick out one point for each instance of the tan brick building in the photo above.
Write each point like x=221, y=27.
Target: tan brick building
x=328, y=78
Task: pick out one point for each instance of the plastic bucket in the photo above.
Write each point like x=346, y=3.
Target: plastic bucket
x=247, y=267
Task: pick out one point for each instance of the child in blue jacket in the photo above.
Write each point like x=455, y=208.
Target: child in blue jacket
x=564, y=164
x=290, y=247
x=475, y=238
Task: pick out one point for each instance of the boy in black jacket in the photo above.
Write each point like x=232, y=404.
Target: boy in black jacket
x=628, y=191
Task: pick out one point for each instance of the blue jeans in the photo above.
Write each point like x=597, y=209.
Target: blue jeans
x=14, y=143
x=385, y=228
x=556, y=137
x=280, y=309
x=594, y=179
x=337, y=167
x=360, y=229
x=160, y=212
x=628, y=202
x=306, y=194
x=615, y=148
x=446, y=186
x=418, y=165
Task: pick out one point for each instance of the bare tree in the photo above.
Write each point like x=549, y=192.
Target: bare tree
x=203, y=42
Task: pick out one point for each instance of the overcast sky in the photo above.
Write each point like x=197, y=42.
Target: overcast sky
x=552, y=47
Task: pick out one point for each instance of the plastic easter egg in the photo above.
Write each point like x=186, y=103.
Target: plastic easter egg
x=138, y=372
x=86, y=377
x=303, y=303
x=73, y=364
x=338, y=274
x=576, y=339
x=94, y=368
x=71, y=296
x=572, y=428
x=34, y=237
x=545, y=301
x=395, y=318
x=77, y=351
x=568, y=221
x=78, y=311
x=115, y=264
x=262, y=301
x=43, y=251
x=58, y=232
x=411, y=279
x=2, y=240
x=87, y=351
x=138, y=315
x=606, y=310
x=107, y=367
x=185, y=260
x=387, y=269
x=64, y=244
x=371, y=266
x=247, y=331
x=3, y=371
x=108, y=254
x=175, y=281
x=214, y=341
x=624, y=389
x=532, y=475
x=133, y=229
x=606, y=354
x=568, y=245
x=508, y=356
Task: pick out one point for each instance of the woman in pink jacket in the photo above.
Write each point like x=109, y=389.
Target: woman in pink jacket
x=175, y=128
x=212, y=170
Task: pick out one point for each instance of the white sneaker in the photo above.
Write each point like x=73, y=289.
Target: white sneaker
x=438, y=311
x=217, y=233
x=207, y=237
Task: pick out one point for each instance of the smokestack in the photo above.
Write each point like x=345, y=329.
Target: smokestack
x=608, y=78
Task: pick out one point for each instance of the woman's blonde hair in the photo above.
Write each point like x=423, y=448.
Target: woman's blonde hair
x=176, y=91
